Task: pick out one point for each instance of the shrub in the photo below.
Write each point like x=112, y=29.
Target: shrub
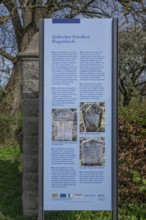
x=132, y=152
x=136, y=113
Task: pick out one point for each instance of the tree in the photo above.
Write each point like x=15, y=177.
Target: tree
x=19, y=22
x=132, y=64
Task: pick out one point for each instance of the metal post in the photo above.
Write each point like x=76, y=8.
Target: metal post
x=115, y=121
x=41, y=126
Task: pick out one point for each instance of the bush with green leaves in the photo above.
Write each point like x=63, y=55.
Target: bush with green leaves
x=135, y=113
x=132, y=153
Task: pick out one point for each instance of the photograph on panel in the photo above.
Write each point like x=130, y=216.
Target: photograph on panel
x=64, y=124
x=92, y=117
x=92, y=151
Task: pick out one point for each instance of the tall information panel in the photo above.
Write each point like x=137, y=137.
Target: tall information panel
x=78, y=115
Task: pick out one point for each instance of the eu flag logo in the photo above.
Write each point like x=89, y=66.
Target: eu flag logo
x=62, y=195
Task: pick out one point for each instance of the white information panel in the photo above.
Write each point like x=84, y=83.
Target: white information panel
x=77, y=113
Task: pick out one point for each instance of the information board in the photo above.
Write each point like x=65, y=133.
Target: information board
x=77, y=114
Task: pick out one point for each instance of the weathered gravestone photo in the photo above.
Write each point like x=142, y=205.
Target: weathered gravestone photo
x=92, y=152
x=64, y=125
x=92, y=117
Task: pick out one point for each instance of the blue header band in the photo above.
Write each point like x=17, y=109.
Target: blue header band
x=65, y=21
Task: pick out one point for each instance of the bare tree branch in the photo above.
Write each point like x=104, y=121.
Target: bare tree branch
x=7, y=55
x=80, y=10
x=12, y=8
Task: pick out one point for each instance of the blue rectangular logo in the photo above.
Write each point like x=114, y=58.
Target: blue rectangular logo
x=66, y=21
x=62, y=195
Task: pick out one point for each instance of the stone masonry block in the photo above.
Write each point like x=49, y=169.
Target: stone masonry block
x=30, y=126
x=31, y=70
x=30, y=86
x=30, y=164
x=30, y=145
x=31, y=212
x=30, y=182
x=30, y=203
x=30, y=107
x=30, y=94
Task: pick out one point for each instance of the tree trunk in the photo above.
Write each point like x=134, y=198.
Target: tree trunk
x=126, y=100
x=12, y=96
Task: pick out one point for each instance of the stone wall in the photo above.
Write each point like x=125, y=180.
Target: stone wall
x=30, y=63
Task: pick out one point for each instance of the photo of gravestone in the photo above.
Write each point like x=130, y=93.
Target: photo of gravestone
x=64, y=124
x=92, y=117
x=92, y=151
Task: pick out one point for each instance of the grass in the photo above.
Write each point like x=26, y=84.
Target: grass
x=10, y=181
x=11, y=194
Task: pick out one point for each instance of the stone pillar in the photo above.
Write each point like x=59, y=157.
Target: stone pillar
x=30, y=62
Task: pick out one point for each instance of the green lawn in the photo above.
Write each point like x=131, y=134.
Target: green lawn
x=11, y=192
